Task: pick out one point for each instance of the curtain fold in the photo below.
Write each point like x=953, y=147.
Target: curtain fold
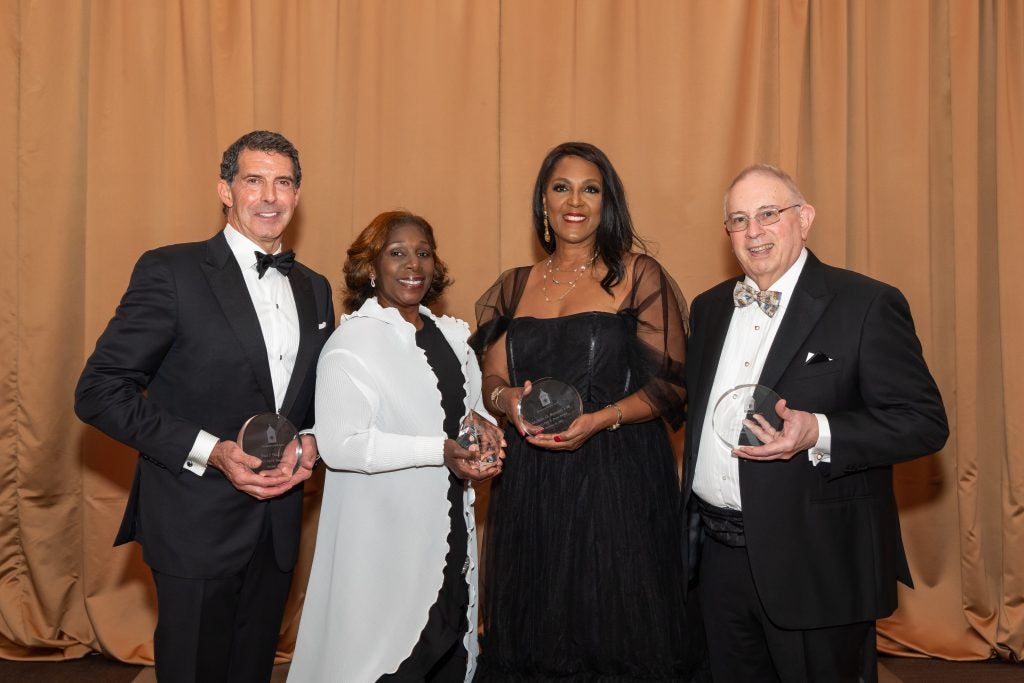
x=1009, y=110
x=902, y=122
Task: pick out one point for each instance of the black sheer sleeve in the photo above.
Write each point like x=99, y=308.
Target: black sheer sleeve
x=496, y=308
x=660, y=351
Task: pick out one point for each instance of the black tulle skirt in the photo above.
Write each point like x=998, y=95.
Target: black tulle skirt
x=583, y=577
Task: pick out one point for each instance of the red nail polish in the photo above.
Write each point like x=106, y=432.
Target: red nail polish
x=558, y=439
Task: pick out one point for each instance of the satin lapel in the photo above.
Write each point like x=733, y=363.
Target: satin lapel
x=305, y=306
x=226, y=281
x=810, y=298
x=719, y=318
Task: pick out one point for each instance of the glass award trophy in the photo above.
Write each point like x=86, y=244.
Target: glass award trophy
x=267, y=436
x=551, y=406
x=471, y=434
x=739, y=405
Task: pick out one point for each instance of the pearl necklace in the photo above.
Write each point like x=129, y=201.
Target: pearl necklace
x=551, y=270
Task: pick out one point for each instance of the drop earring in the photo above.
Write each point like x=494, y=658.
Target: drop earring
x=547, y=229
x=373, y=280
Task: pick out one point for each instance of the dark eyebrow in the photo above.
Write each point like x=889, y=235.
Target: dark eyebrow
x=585, y=181
x=421, y=243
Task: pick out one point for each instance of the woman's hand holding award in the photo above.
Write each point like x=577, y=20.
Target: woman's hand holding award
x=474, y=432
x=734, y=417
x=267, y=436
x=550, y=407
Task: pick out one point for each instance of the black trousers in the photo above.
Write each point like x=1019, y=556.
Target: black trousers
x=745, y=645
x=221, y=630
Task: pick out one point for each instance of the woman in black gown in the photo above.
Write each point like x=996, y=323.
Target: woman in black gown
x=583, y=577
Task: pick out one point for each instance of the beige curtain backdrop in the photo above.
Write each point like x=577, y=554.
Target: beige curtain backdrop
x=902, y=121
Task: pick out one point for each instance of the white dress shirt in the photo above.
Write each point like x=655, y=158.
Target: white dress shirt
x=747, y=343
x=279, y=321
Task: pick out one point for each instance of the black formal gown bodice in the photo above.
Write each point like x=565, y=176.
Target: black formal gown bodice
x=590, y=351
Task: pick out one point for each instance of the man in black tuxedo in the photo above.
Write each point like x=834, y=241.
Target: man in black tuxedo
x=797, y=540
x=207, y=335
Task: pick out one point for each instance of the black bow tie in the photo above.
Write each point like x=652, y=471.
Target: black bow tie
x=283, y=262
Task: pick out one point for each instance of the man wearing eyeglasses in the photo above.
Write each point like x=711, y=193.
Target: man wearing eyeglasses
x=795, y=543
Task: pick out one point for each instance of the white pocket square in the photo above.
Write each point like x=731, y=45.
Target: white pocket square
x=321, y=326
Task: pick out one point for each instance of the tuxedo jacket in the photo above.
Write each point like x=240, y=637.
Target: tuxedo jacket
x=184, y=352
x=824, y=541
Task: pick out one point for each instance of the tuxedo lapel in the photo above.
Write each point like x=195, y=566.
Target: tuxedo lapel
x=305, y=305
x=810, y=299
x=226, y=281
x=719, y=317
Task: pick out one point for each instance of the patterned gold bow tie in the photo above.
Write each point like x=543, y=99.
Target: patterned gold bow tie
x=769, y=300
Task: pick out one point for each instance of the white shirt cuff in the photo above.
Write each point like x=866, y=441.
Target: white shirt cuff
x=200, y=453
x=822, y=451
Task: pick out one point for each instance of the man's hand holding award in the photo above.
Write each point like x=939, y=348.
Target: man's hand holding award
x=745, y=416
x=267, y=436
x=756, y=424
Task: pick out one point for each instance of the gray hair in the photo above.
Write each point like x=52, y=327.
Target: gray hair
x=768, y=170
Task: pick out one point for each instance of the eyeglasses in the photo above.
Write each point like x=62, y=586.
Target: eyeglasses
x=740, y=221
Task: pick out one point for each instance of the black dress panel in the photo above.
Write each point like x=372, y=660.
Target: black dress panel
x=441, y=639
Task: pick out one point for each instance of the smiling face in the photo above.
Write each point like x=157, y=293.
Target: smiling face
x=572, y=199
x=404, y=270
x=262, y=197
x=766, y=252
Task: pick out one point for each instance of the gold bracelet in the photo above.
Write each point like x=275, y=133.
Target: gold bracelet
x=618, y=417
x=495, y=393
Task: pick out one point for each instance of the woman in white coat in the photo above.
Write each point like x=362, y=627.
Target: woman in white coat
x=393, y=591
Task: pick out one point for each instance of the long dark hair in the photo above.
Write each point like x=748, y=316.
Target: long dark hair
x=366, y=248
x=615, y=233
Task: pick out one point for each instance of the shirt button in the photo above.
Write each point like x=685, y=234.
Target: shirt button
x=757, y=327
x=747, y=364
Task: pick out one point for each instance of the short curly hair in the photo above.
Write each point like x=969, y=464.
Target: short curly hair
x=258, y=141
x=366, y=249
